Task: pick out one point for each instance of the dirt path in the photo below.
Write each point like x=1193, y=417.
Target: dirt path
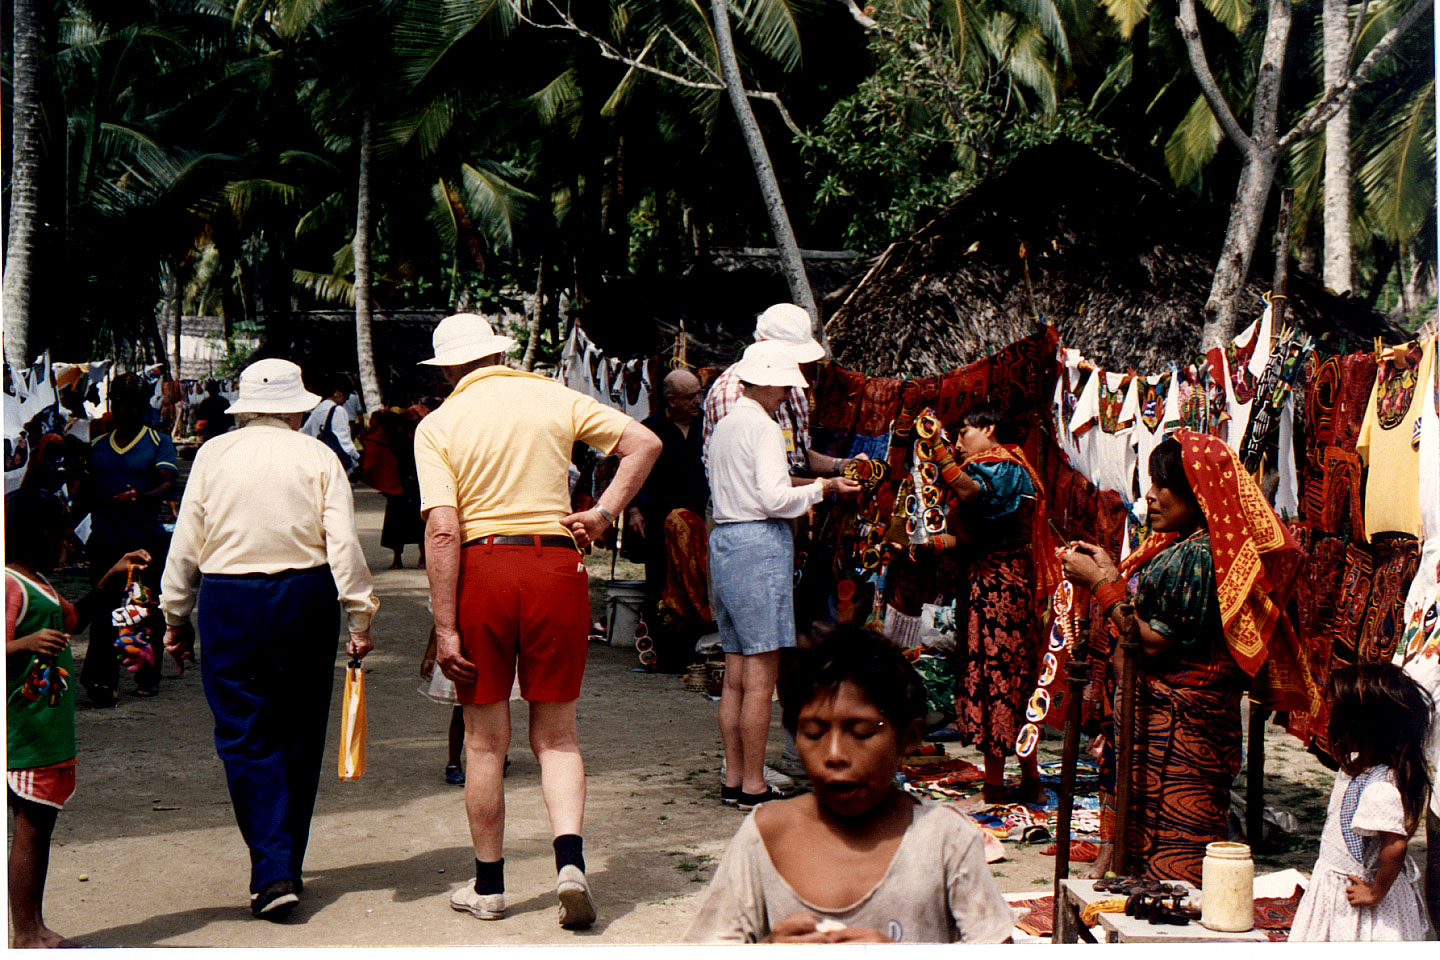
x=151, y=825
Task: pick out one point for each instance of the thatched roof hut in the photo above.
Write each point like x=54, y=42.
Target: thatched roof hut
x=1120, y=263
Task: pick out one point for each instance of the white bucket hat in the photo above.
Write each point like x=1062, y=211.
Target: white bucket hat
x=786, y=323
x=272, y=386
x=465, y=337
x=770, y=363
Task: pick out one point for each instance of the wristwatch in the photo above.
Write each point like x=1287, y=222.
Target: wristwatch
x=610, y=518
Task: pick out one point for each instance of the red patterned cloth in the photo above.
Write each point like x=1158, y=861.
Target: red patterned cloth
x=686, y=596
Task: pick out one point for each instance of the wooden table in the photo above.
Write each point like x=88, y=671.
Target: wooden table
x=1075, y=895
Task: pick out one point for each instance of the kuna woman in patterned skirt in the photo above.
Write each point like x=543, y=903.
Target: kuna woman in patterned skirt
x=1210, y=587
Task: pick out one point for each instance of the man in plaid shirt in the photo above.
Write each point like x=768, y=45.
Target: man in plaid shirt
x=791, y=324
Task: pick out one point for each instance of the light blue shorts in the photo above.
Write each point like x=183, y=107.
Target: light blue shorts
x=752, y=585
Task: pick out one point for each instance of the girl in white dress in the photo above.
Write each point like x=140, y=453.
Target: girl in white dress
x=1363, y=886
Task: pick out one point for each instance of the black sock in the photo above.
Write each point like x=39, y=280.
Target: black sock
x=568, y=851
x=490, y=877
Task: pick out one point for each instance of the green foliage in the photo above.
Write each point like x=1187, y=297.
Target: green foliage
x=917, y=132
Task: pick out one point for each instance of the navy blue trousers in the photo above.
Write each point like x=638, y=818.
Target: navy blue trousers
x=268, y=666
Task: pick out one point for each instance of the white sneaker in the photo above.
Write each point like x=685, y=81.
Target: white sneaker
x=773, y=778
x=790, y=767
x=577, y=907
x=483, y=906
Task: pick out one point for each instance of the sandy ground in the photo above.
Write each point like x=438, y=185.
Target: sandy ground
x=151, y=828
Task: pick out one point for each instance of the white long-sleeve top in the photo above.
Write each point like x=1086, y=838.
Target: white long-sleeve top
x=264, y=499
x=749, y=475
x=339, y=425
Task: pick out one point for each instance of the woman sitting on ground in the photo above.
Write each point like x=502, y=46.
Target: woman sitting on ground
x=857, y=860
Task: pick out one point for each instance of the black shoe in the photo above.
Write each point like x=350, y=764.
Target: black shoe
x=729, y=795
x=749, y=801
x=275, y=901
x=101, y=696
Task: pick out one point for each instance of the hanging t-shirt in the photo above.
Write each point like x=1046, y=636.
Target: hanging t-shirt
x=1238, y=368
x=1389, y=444
x=1157, y=413
x=1068, y=387
x=1287, y=494
x=1419, y=648
x=1107, y=409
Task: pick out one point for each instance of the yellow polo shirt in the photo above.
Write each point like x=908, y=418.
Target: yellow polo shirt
x=498, y=451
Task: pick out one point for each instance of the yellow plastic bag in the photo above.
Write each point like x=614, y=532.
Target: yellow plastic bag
x=352, y=723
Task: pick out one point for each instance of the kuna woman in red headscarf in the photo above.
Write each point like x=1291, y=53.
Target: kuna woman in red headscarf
x=1210, y=587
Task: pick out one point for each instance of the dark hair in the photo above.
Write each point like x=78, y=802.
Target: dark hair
x=30, y=514
x=1378, y=714
x=128, y=388
x=872, y=663
x=1167, y=469
x=987, y=414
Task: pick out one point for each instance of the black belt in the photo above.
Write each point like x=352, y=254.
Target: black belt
x=547, y=540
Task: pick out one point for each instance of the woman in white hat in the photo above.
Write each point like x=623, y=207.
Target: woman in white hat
x=752, y=558
x=264, y=545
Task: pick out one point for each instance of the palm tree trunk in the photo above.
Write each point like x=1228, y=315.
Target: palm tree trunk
x=1335, y=24
x=791, y=263
x=24, y=180
x=173, y=306
x=532, y=341
x=364, y=221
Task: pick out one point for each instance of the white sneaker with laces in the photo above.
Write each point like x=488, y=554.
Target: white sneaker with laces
x=773, y=778
x=577, y=907
x=790, y=767
x=483, y=906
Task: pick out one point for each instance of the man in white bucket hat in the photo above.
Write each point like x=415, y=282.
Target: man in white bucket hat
x=264, y=545
x=752, y=559
x=787, y=324
x=507, y=584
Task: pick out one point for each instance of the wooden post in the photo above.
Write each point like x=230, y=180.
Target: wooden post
x=1255, y=777
x=1281, y=282
x=1077, y=673
x=1125, y=736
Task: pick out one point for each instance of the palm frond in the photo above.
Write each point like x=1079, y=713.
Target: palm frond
x=1127, y=14
x=1234, y=14
x=442, y=215
x=1193, y=143
x=1397, y=176
x=1045, y=15
x=773, y=26
x=496, y=204
x=323, y=214
x=325, y=287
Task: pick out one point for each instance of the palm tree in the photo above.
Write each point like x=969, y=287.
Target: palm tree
x=24, y=192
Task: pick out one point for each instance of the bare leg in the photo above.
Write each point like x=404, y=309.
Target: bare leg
x=730, y=696
x=556, y=744
x=457, y=736
x=399, y=563
x=29, y=863
x=761, y=671
x=487, y=737
x=421, y=564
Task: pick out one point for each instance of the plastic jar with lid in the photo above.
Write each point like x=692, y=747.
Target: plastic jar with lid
x=1227, y=888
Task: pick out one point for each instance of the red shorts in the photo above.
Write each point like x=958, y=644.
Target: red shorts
x=528, y=605
x=51, y=785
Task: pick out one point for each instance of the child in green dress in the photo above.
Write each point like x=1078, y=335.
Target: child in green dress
x=39, y=697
